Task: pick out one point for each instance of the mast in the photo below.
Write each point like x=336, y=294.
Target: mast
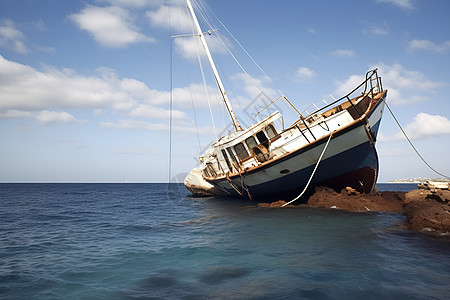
x=213, y=67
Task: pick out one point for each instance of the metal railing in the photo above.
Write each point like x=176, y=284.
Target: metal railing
x=371, y=77
x=372, y=84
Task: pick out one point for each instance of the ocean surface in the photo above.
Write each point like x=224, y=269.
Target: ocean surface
x=155, y=241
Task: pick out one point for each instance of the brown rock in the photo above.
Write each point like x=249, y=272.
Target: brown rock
x=276, y=204
x=351, y=191
x=415, y=195
x=428, y=215
x=356, y=202
x=428, y=210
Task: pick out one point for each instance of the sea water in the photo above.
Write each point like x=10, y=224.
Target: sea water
x=155, y=241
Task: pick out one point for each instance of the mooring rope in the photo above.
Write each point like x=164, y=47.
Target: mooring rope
x=312, y=175
x=417, y=152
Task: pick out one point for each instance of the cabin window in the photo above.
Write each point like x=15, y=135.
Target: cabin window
x=226, y=159
x=241, y=152
x=262, y=138
x=251, y=142
x=235, y=163
x=271, y=132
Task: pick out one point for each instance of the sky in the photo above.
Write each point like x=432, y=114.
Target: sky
x=85, y=86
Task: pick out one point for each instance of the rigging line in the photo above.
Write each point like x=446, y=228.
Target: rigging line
x=219, y=103
x=202, y=11
x=246, y=52
x=190, y=92
x=204, y=82
x=417, y=152
x=312, y=174
x=209, y=21
x=229, y=87
x=204, y=15
x=254, y=80
x=193, y=110
x=195, y=121
x=171, y=95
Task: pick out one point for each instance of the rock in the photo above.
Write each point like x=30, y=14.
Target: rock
x=276, y=204
x=434, y=185
x=428, y=210
x=355, y=202
x=428, y=216
x=351, y=191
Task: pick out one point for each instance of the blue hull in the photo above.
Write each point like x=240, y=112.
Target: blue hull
x=356, y=167
x=350, y=160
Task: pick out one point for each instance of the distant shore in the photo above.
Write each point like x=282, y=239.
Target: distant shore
x=418, y=180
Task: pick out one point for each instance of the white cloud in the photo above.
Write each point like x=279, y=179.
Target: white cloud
x=152, y=112
x=191, y=47
x=134, y=124
x=110, y=26
x=304, y=74
x=194, y=92
x=14, y=114
x=135, y=3
x=25, y=92
x=398, y=76
x=131, y=124
x=254, y=86
x=404, y=4
x=344, y=87
x=430, y=46
x=344, y=52
x=396, y=97
x=404, y=86
x=311, y=30
x=375, y=30
x=11, y=37
x=178, y=19
x=423, y=126
x=44, y=117
x=175, y=16
x=25, y=88
x=48, y=117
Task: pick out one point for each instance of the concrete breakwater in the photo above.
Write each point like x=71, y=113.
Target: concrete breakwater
x=427, y=208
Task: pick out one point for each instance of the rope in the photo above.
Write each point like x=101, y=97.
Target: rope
x=245, y=51
x=171, y=98
x=244, y=186
x=312, y=175
x=417, y=152
x=204, y=83
x=232, y=184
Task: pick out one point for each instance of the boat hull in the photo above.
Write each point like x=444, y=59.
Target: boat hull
x=349, y=160
x=356, y=167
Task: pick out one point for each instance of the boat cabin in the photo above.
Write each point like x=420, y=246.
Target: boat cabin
x=242, y=150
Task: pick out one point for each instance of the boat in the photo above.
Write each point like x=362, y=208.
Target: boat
x=268, y=159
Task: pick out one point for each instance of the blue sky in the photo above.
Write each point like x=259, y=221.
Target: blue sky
x=85, y=85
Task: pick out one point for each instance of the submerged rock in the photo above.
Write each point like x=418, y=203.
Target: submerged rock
x=427, y=210
x=276, y=204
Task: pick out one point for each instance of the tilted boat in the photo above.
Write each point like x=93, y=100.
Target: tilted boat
x=267, y=159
